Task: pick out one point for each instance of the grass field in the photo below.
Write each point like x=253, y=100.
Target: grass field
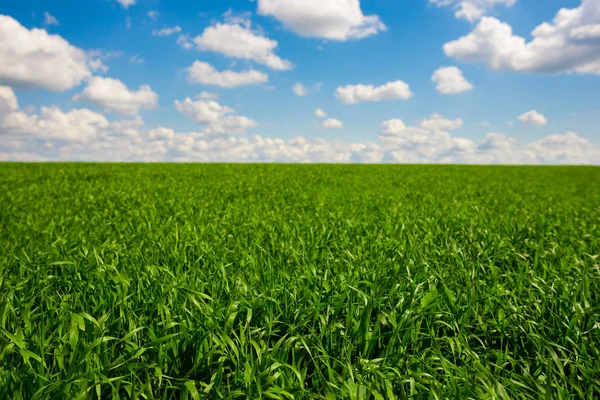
x=299, y=281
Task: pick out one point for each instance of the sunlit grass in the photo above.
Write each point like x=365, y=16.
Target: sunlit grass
x=315, y=282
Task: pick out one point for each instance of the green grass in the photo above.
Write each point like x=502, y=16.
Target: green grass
x=297, y=281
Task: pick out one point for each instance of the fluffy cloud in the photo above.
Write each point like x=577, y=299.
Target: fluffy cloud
x=570, y=43
x=332, y=123
x=112, y=94
x=214, y=117
x=320, y=113
x=564, y=149
x=326, y=19
x=34, y=58
x=428, y=141
x=352, y=94
x=533, y=118
x=78, y=125
x=168, y=31
x=201, y=72
x=450, y=80
x=237, y=40
x=153, y=15
x=472, y=10
x=300, y=90
x=49, y=19
x=8, y=100
x=126, y=3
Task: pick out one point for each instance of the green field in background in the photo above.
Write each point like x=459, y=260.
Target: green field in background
x=163, y=281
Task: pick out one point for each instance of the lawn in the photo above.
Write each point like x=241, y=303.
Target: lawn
x=164, y=281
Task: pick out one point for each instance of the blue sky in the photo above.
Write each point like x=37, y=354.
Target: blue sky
x=549, y=79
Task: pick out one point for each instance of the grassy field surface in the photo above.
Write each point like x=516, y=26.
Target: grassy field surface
x=299, y=281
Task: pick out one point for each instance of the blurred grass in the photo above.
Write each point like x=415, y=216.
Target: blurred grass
x=164, y=281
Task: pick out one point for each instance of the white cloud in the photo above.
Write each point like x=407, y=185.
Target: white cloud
x=237, y=40
x=300, y=90
x=429, y=141
x=208, y=96
x=201, y=72
x=327, y=19
x=78, y=125
x=167, y=31
x=214, y=117
x=34, y=58
x=126, y=3
x=49, y=19
x=8, y=100
x=569, y=43
x=153, y=15
x=564, y=149
x=185, y=42
x=332, y=123
x=450, y=80
x=472, y=10
x=112, y=94
x=352, y=94
x=320, y=113
x=82, y=134
x=484, y=123
x=136, y=60
x=533, y=118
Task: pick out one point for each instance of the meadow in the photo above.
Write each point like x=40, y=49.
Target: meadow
x=223, y=281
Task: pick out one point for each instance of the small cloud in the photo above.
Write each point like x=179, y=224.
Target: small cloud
x=126, y=3
x=300, y=90
x=450, y=80
x=153, y=15
x=352, y=94
x=509, y=123
x=49, y=19
x=128, y=22
x=208, y=96
x=332, y=123
x=185, y=42
x=98, y=66
x=136, y=60
x=167, y=31
x=484, y=123
x=533, y=118
x=320, y=113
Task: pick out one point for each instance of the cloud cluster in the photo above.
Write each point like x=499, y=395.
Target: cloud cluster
x=326, y=19
x=82, y=134
x=570, y=43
